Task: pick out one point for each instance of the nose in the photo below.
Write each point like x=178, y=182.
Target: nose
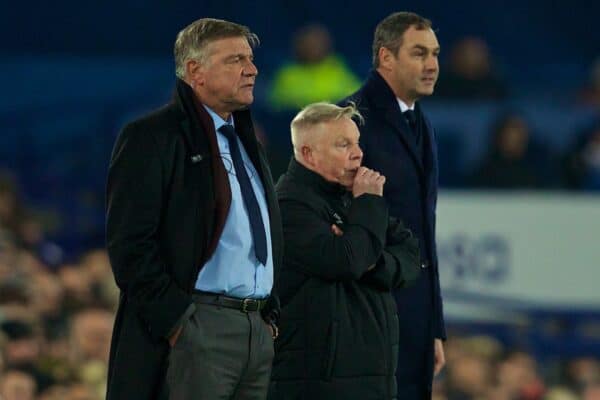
x=357, y=153
x=250, y=69
x=431, y=63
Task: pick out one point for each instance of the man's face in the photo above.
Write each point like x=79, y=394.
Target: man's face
x=225, y=79
x=414, y=70
x=335, y=153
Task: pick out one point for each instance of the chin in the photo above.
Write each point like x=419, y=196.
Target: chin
x=247, y=100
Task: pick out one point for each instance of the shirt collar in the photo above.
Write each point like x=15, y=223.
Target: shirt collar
x=403, y=106
x=217, y=120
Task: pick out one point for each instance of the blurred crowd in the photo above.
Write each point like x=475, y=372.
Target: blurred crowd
x=56, y=315
x=481, y=368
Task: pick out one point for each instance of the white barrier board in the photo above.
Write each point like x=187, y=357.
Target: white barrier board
x=501, y=251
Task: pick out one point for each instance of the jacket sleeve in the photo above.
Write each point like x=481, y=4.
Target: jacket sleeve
x=313, y=249
x=134, y=207
x=399, y=264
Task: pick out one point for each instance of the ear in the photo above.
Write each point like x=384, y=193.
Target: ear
x=385, y=57
x=194, y=72
x=307, y=155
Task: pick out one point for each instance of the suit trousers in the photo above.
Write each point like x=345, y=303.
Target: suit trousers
x=221, y=353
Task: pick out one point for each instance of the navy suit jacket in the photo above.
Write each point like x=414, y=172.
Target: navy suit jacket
x=411, y=192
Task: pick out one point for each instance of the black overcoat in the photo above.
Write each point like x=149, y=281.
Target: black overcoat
x=167, y=201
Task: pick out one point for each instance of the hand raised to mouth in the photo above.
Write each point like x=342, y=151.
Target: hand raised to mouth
x=368, y=181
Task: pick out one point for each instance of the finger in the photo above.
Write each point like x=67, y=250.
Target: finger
x=336, y=230
x=370, y=175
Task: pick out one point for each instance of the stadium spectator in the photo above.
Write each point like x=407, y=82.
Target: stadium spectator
x=513, y=160
x=517, y=376
x=316, y=74
x=470, y=74
x=17, y=385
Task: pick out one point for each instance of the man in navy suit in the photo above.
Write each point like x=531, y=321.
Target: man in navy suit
x=398, y=141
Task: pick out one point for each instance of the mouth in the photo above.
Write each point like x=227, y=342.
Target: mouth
x=428, y=80
x=352, y=171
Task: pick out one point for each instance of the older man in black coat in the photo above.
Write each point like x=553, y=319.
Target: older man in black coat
x=339, y=329
x=398, y=140
x=194, y=233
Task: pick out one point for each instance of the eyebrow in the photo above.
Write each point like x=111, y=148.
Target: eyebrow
x=240, y=55
x=346, y=139
x=425, y=48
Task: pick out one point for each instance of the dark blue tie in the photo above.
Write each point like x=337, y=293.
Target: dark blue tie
x=411, y=118
x=256, y=222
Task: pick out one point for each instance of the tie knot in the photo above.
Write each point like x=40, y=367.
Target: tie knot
x=410, y=117
x=227, y=131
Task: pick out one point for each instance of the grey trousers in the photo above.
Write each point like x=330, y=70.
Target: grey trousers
x=221, y=353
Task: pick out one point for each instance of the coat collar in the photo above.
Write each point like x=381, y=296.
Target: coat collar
x=194, y=114
x=314, y=180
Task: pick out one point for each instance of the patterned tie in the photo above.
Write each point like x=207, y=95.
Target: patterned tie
x=256, y=221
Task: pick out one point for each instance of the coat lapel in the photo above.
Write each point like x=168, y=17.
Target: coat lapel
x=385, y=100
x=394, y=117
x=430, y=159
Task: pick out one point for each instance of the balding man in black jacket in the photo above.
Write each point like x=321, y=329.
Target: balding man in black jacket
x=339, y=328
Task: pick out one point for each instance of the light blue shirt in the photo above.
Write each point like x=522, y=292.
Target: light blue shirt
x=233, y=269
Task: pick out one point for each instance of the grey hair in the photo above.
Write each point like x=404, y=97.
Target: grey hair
x=192, y=40
x=318, y=113
x=390, y=30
